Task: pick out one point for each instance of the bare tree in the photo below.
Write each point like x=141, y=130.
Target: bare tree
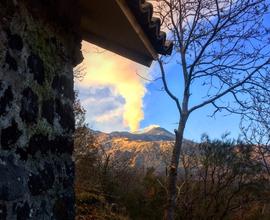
x=79, y=72
x=255, y=126
x=222, y=53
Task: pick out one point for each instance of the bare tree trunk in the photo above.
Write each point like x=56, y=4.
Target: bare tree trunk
x=172, y=177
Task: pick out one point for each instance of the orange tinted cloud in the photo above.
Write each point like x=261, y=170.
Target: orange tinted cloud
x=104, y=68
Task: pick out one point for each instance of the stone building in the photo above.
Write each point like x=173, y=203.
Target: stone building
x=40, y=44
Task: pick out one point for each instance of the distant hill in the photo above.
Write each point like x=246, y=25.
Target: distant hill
x=143, y=149
x=155, y=134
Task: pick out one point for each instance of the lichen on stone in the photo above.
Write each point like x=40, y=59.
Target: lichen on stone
x=36, y=115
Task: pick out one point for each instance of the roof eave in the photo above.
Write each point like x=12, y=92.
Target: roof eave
x=125, y=27
x=136, y=26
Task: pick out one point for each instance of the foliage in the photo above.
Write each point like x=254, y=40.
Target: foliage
x=222, y=180
x=218, y=179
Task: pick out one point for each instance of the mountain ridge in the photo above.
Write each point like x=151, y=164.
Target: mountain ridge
x=151, y=148
x=153, y=134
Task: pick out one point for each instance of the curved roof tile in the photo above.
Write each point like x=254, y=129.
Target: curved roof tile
x=143, y=12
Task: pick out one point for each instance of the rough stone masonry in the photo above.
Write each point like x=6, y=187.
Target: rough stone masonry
x=39, y=47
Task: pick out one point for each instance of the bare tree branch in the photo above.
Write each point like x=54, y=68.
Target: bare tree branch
x=167, y=88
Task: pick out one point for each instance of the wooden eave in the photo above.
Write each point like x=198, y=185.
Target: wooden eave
x=125, y=27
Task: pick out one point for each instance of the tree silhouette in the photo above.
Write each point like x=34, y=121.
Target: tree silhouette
x=221, y=48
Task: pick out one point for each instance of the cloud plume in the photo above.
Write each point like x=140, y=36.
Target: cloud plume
x=104, y=68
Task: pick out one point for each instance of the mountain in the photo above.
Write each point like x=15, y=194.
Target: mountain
x=144, y=149
x=154, y=134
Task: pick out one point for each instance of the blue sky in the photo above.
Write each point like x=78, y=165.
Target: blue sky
x=160, y=109
x=117, y=98
x=106, y=104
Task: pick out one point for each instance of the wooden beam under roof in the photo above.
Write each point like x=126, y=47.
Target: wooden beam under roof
x=114, y=25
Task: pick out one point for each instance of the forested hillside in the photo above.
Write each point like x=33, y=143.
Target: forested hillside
x=123, y=176
x=218, y=179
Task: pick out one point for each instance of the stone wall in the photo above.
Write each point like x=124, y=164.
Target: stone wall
x=36, y=115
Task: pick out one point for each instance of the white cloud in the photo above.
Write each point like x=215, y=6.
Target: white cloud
x=115, y=100
x=104, y=108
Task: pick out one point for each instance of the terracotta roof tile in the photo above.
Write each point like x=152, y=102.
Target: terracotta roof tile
x=143, y=12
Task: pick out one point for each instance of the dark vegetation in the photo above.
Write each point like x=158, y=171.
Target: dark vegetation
x=218, y=179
